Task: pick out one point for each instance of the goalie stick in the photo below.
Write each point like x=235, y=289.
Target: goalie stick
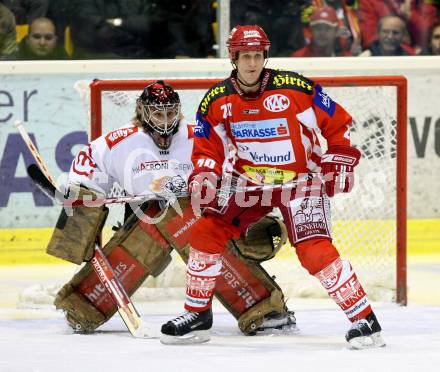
x=105, y=273
x=42, y=181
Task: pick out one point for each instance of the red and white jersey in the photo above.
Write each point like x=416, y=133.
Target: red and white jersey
x=275, y=131
x=129, y=157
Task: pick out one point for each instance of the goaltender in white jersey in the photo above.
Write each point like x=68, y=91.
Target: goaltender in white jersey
x=150, y=156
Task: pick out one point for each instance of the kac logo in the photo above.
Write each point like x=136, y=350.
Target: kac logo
x=276, y=103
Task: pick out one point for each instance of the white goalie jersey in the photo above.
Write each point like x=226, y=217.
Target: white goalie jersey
x=129, y=157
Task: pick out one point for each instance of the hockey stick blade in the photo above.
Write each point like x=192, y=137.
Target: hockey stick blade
x=119, y=296
x=38, y=177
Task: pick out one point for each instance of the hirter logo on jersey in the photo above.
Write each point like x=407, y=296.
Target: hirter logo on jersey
x=116, y=136
x=276, y=103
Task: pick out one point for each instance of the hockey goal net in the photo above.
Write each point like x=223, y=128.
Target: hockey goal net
x=369, y=224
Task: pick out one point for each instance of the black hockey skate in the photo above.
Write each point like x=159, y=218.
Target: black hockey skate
x=365, y=333
x=188, y=328
x=276, y=323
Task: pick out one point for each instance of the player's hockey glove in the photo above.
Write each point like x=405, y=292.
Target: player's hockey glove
x=337, y=168
x=203, y=184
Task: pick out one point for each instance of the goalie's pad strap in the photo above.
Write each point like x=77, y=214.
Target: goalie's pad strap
x=253, y=318
x=74, y=236
x=134, y=252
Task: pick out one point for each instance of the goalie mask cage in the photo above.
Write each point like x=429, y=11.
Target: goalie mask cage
x=369, y=224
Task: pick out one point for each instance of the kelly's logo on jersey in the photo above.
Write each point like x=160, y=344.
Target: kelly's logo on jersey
x=116, y=136
x=276, y=103
x=272, y=128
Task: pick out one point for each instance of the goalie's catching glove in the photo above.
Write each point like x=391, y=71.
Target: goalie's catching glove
x=337, y=168
x=203, y=184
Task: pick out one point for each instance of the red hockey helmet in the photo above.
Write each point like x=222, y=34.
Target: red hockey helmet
x=247, y=38
x=158, y=109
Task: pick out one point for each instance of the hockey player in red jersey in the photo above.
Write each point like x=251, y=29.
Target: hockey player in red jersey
x=272, y=118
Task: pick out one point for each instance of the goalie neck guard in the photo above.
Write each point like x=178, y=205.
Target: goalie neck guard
x=159, y=110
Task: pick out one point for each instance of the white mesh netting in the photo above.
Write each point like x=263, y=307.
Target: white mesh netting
x=364, y=221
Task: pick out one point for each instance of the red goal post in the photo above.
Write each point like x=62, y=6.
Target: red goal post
x=398, y=140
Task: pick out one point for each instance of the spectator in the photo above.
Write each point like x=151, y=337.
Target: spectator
x=26, y=11
x=189, y=29
x=419, y=15
x=324, y=33
x=141, y=29
x=59, y=12
x=434, y=42
x=280, y=18
x=114, y=29
x=40, y=43
x=7, y=32
x=349, y=34
x=390, y=33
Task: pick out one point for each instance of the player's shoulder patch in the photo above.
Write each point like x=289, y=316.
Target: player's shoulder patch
x=323, y=101
x=219, y=90
x=281, y=79
x=114, y=137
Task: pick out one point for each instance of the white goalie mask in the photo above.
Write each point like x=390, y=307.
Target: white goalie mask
x=159, y=109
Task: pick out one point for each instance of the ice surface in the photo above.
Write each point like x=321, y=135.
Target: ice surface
x=38, y=340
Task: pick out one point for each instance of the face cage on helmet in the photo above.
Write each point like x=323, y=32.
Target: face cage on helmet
x=164, y=126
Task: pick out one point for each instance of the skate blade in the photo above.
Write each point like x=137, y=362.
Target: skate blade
x=367, y=342
x=195, y=337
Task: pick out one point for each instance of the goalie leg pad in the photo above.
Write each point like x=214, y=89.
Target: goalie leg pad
x=74, y=236
x=81, y=315
x=134, y=252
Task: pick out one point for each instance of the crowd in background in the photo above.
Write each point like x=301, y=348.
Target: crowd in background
x=103, y=29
